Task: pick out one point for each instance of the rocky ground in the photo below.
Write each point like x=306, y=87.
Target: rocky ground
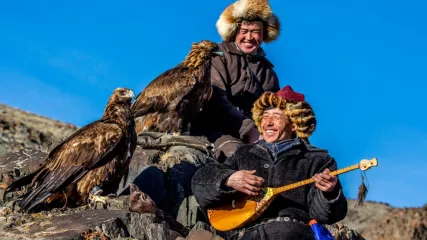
x=24, y=139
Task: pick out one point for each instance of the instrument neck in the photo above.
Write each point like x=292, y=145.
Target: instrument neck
x=278, y=190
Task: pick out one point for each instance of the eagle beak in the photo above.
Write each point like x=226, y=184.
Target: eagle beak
x=131, y=94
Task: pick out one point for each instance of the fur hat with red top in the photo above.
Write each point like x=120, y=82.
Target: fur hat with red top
x=294, y=106
x=249, y=10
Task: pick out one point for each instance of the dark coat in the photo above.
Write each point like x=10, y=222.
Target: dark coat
x=235, y=89
x=298, y=163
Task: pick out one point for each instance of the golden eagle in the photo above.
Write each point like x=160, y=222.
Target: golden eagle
x=97, y=155
x=171, y=100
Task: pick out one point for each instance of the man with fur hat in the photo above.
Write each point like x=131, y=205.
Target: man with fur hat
x=239, y=76
x=282, y=157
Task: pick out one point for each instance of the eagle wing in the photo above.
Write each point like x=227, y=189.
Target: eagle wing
x=72, y=159
x=165, y=91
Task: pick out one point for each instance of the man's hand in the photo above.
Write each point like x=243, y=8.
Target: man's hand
x=245, y=181
x=324, y=181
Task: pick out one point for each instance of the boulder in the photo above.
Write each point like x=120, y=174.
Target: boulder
x=14, y=165
x=84, y=223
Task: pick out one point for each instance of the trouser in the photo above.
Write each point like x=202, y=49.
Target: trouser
x=273, y=231
x=168, y=190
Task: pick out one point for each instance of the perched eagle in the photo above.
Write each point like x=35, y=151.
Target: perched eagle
x=97, y=155
x=171, y=100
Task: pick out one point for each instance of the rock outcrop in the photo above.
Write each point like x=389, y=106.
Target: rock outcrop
x=84, y=223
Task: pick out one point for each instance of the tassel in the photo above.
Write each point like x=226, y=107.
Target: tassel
x=363, y=191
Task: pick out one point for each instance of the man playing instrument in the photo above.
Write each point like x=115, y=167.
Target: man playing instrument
x=284, y=156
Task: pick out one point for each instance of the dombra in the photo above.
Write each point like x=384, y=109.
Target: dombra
x=242, y=211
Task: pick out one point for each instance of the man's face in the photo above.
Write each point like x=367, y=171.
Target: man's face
x=250, y=36
x=276, y=126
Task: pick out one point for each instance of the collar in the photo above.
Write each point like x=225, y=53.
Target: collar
x=277, y=148
x=290, y=146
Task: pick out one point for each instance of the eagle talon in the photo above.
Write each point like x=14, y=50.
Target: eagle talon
x=95, y=200
x=95, y=197
x=96, y=191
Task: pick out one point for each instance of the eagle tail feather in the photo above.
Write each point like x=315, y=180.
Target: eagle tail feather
x=23, y=181
x=50, y=183
x=34, y=198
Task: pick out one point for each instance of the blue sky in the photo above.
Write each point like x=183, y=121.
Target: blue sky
x=361, y=64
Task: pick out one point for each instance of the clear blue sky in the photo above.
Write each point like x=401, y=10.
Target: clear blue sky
x=361, y=64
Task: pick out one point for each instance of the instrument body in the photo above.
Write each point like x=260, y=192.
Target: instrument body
x=239, y=212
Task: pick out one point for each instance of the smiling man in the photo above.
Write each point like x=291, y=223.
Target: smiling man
x=284, y=156
x=239, y=75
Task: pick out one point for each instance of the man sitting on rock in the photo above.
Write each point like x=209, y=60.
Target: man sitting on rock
x=282, y=157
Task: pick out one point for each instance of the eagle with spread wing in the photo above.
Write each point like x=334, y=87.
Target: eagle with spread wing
x=95, y=156
x=171, y=100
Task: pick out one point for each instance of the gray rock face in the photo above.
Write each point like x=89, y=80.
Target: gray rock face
x=66, y=225
x=17, y=164
x=188, y=213
x=145, y=226
x=141, y=159
x=85, y=224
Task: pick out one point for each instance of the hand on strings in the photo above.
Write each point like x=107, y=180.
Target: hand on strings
x=324, y=181
x=245, y=181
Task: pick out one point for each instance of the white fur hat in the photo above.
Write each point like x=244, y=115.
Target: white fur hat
x=248, y=10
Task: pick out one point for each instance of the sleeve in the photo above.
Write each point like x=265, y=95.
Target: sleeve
x=230, y=119
x=273, y=79
x=327, y=208
x=208, y=182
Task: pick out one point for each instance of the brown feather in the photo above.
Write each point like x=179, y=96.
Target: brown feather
x=171, y=100
x=98, y=154
x=361, y=195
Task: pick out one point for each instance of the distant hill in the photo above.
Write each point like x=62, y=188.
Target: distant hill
x=23, y=129
x=380, y=221
x=373, y=220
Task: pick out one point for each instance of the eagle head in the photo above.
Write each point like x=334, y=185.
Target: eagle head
x=200, y=53
x=122, y=95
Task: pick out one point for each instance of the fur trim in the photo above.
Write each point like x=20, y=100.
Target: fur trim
x=249, y=10
x=265, y=101
x=300, y=113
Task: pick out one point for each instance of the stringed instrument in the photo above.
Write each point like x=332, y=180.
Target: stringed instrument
x=244, y=210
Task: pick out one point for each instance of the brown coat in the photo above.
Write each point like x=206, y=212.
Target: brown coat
x=235, y=89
